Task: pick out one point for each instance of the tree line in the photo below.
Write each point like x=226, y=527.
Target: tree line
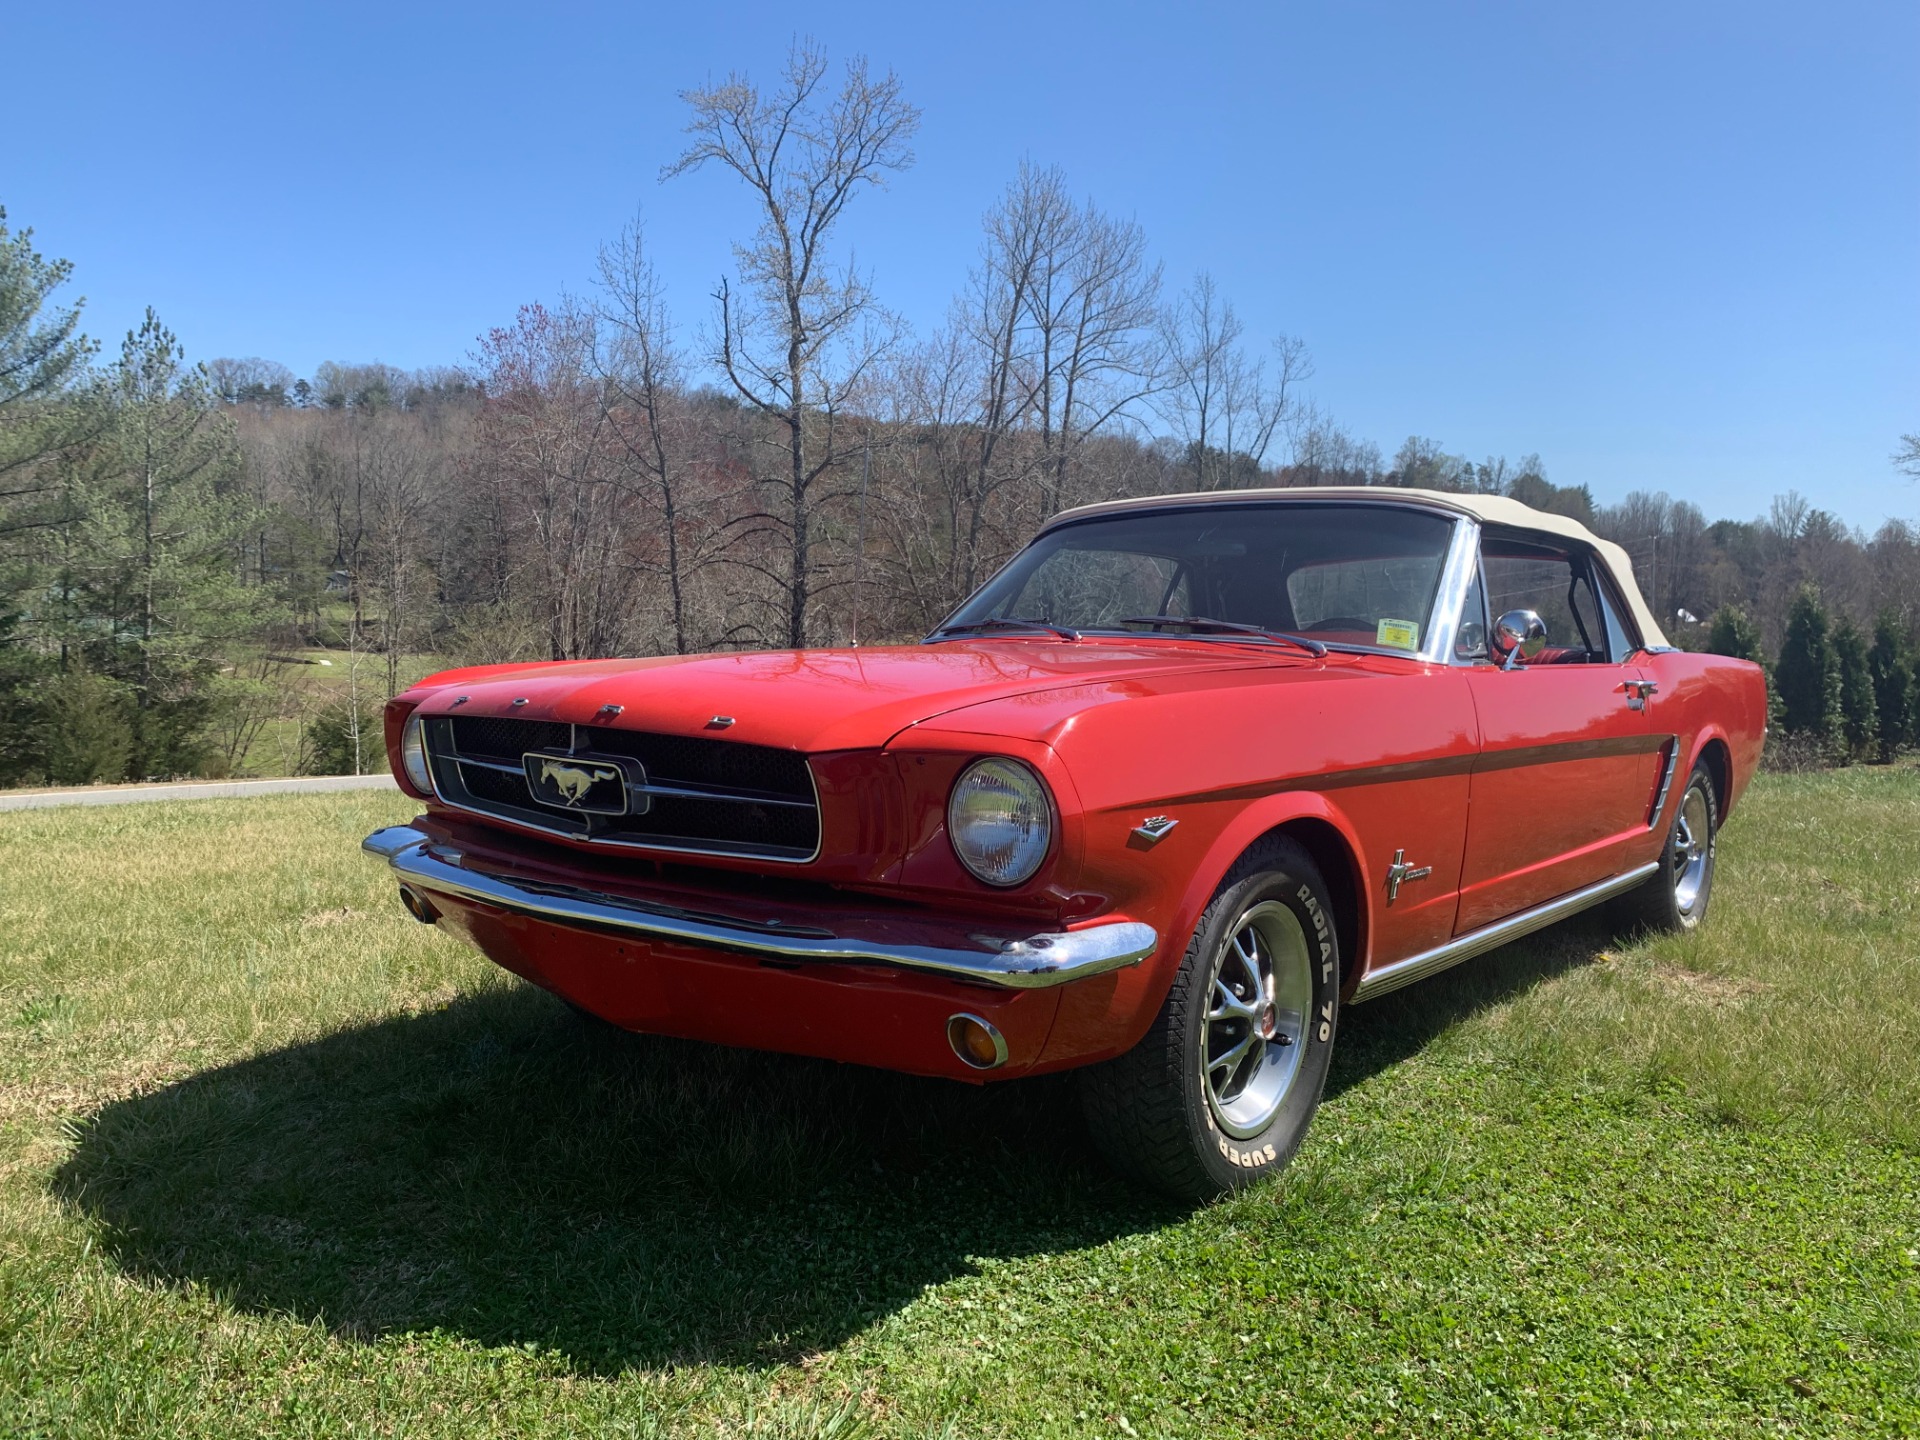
x=176, y=541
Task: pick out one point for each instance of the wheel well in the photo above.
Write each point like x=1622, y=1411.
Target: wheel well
x=1719, y=762
x=1328, y=849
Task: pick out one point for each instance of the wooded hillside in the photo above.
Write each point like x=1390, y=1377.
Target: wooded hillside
x=178, y=543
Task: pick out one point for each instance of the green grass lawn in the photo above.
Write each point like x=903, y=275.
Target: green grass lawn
x=276, y=1160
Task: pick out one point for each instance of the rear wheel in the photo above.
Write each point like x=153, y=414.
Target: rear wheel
x=1221, y=1089
x=1675, y=896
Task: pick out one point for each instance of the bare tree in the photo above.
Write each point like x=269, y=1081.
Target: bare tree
x=1907, y=458
x=799, y=339
x=658, y=433
x=543, y=439
x=1098, y=351
x=400, y=488
x=250, y=381
x=1224, y=406
x=988, y=370
x=1325, y=454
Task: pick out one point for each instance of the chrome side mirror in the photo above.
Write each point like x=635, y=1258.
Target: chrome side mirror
x=1518, y=635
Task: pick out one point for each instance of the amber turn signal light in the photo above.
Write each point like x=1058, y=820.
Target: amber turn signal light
x=976, y=1042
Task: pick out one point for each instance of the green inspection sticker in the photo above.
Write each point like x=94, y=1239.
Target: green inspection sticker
x=1400, y=634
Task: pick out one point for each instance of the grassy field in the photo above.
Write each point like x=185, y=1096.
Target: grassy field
x=276, y=1160
x=328, y=677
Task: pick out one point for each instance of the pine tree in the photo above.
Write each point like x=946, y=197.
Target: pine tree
x=1808, y=673
x=1732, y=633
x=1859, y=727
x=42, y=362
x=158, y=595
x=1891, y=673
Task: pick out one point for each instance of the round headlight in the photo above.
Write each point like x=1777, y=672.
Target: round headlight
x=1000, y=821
x=413, y=754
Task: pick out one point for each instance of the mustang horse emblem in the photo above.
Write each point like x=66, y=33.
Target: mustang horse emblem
x=572, y=781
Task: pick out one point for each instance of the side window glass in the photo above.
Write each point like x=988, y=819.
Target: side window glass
x=1470, y=640
x=1561, y=588
x=1536, y=580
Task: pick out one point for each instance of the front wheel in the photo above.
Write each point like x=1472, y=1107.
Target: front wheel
x=1221, y=1089
x=1675, y=896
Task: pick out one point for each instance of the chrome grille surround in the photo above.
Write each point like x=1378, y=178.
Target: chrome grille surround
x=704, y=797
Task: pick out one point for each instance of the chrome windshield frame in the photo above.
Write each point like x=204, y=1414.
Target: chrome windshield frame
x=1450, y=597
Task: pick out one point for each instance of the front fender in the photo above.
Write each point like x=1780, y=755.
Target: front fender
x=1109, y=1014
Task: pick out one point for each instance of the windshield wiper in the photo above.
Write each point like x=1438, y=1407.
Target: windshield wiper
x=1008, y=622
x=1205, y=625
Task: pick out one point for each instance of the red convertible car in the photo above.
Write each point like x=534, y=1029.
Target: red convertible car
x=1187, y=777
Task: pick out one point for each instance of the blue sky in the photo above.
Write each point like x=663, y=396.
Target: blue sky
x=1671, y=246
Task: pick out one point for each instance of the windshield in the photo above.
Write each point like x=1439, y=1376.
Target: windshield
x=1356, y=576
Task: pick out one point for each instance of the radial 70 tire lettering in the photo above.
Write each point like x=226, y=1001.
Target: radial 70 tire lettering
x=1222, y=1087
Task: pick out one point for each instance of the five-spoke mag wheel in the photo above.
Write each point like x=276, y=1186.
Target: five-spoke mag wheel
x=1260, y=1003
x=1221, y=1089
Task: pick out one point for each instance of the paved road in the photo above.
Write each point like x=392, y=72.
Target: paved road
x=191, y=790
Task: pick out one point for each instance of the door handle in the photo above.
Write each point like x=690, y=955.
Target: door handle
x=1638, y=692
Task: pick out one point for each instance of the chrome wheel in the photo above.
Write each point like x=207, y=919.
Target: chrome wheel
x=1257, y=1009
x=1692, y=850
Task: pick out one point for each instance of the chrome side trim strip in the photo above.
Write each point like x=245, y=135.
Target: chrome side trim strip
x=1491, y=937
x=1031, y=963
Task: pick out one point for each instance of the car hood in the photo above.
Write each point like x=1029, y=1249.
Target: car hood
x=821, y=700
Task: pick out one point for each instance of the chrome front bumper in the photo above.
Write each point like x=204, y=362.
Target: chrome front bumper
x=1029, y=963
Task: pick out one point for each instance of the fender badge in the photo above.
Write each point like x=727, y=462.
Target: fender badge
x=719, y=722
x=1400, y=871
x=1152, y=830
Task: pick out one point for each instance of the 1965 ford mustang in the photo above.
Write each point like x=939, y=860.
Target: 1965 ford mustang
x=1189, y=775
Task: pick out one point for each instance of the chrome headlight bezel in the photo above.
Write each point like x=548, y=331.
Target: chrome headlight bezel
x=1027, y=833
x=413, y=754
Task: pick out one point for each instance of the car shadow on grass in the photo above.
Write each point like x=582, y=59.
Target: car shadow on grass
x=500, y=1170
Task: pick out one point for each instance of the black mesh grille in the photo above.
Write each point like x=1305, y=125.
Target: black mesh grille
x=755, y=800
x=507, y=739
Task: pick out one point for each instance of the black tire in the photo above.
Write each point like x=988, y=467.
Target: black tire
x=1156, y=1112
x=1675, y=897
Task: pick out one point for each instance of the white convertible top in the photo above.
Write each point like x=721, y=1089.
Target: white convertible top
x=1487, y=509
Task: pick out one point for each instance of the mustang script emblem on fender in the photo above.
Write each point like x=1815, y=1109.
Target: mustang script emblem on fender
x=582, y=782
x=1400, y=871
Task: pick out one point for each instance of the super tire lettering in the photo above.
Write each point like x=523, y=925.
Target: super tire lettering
x=1248, y=1159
